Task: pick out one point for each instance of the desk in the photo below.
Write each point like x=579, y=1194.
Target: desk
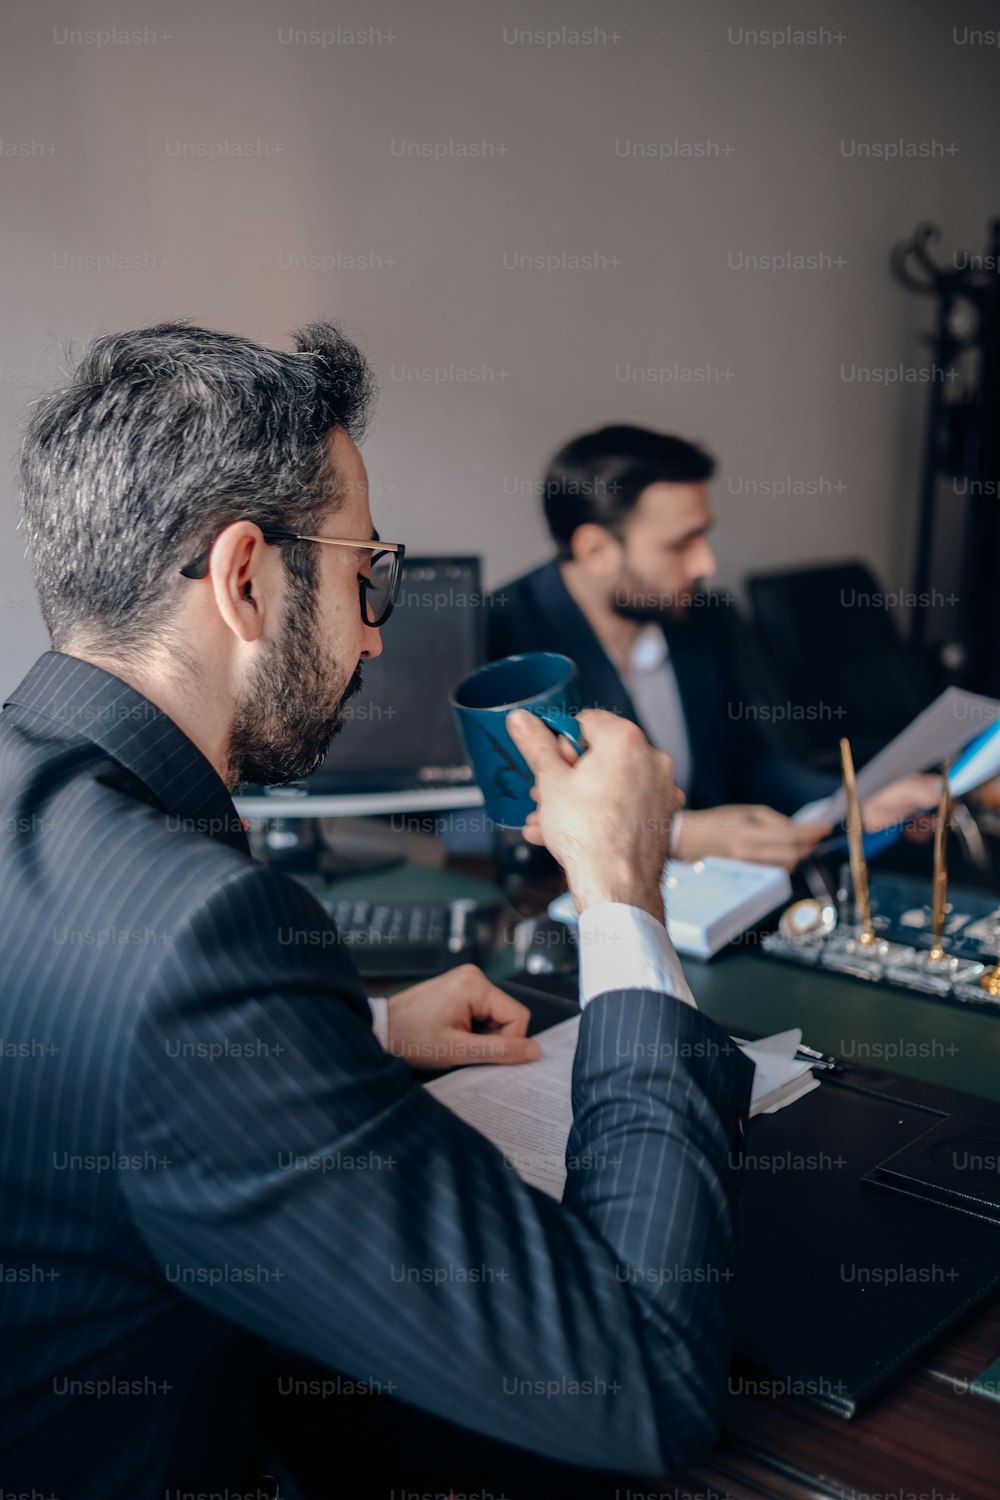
x=744, y=990
x=875, y=1025
x=931, y=1438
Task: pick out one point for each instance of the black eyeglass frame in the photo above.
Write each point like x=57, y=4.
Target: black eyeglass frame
x=198, y=566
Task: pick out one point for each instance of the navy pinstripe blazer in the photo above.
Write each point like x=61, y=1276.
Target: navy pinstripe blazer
x=203, y=1146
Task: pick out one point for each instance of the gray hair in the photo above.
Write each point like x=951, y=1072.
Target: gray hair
x=162, y=437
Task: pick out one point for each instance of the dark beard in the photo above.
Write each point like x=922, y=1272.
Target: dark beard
x=286, y=723
x=634, y=600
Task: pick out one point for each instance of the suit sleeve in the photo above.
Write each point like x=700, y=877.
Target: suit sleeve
x=758, y=770
x=300, y=1183
x=780, y=781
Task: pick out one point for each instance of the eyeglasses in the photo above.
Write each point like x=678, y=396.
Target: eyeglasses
x=378, y=591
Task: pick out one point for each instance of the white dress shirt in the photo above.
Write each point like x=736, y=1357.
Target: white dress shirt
x=624, y=948
x=652, y=687
x=620, y=947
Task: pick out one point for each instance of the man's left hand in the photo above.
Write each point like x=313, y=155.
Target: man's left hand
x=430, y=1024
x=901, y=801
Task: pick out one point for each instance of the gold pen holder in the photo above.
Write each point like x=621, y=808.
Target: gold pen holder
x=979, y=991
x=925, y=970
x=990, y=983
x=862, y=952
x=987, y=930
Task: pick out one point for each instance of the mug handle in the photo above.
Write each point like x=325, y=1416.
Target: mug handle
x=561, y=722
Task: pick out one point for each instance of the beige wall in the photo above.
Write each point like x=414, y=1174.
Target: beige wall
x=107, y=153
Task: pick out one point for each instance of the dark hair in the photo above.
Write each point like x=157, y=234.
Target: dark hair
x=599, y=477
x=162, y=437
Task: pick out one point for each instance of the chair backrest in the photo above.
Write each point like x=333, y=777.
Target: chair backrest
x=829, y=639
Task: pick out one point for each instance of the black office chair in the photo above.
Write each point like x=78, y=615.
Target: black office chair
x=833, y=653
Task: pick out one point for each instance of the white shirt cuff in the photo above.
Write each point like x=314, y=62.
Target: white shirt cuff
x=379, y=1008
x=624, y=948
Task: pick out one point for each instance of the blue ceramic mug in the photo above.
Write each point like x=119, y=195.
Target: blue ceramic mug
x=542, y=682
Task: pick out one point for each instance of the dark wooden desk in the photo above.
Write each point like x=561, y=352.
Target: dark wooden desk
x=932, y=1437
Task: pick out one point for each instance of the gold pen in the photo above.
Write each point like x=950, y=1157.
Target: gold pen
x=855, y=839
x=937, y=955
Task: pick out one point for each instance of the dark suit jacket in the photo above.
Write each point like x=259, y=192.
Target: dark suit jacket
x=203, y=1146
x=730, y=758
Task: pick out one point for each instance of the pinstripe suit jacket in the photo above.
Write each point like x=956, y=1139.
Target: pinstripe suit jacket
x=203, y=1146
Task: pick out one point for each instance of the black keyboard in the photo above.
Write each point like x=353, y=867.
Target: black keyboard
x=410, y=939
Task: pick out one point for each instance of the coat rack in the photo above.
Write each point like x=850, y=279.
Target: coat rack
x=961, y=440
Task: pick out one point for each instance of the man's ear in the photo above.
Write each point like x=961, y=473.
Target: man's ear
x=241, y=568
x=596, y=550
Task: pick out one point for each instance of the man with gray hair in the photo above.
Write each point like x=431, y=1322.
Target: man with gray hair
x=221, y=1182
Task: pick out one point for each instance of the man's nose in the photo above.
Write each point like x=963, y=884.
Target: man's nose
x=705, y=565
x=373, y=642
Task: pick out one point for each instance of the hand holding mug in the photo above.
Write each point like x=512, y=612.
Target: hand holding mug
x=606, y=816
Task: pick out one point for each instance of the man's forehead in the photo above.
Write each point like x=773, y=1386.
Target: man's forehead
x=682, y=506
x=349, y=464
x=354, y=517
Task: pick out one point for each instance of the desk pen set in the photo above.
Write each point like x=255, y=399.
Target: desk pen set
x=887, y=933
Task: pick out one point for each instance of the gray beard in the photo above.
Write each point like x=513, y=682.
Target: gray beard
x=290, y=714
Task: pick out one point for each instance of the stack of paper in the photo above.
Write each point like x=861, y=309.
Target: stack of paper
x=781, y=1077
x=526, y=1109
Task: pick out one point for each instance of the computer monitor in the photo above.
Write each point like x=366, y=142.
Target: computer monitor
x=399, y=749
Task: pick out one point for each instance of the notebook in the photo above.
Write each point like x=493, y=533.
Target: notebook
x=708, y=903
x=527, y=1111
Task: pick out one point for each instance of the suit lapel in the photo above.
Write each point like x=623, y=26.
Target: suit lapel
x=565, y=623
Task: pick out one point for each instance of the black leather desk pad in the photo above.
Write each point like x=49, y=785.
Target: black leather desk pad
x=841, y=1289
x=955, y=1164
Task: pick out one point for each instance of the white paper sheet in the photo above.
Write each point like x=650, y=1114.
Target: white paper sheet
x=950, y=723
x=525, y=1109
